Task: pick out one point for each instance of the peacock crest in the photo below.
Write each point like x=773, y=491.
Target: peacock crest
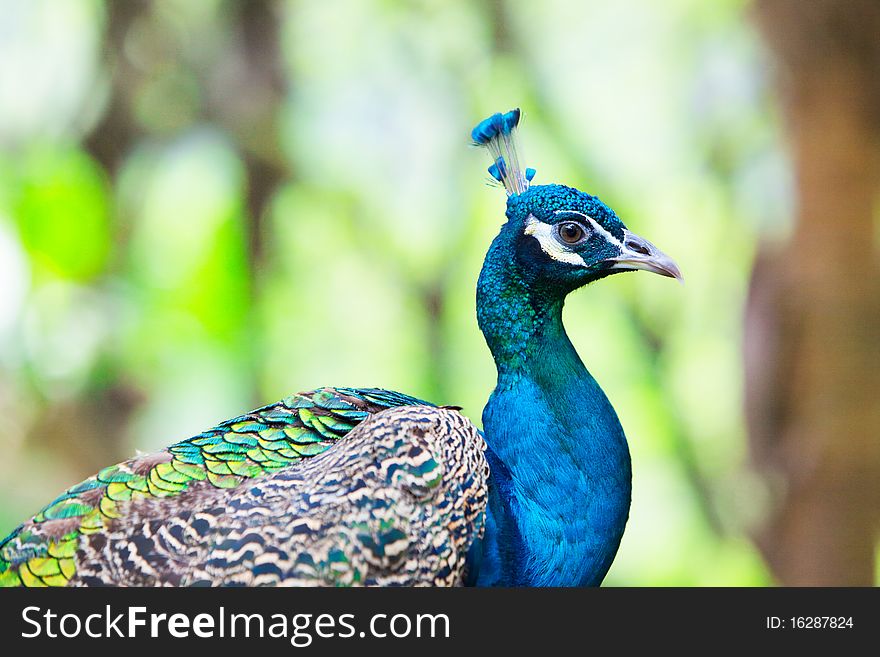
x=498, y=134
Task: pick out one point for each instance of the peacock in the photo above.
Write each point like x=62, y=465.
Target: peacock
x=365, y=486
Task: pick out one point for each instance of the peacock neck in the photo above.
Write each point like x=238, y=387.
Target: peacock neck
x=560, y=462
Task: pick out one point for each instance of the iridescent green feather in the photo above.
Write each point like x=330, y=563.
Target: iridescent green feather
x=42, y=552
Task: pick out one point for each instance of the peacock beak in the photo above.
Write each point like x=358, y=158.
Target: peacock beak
x=639, y=253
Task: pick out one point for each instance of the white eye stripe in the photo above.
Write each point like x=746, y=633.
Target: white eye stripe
x=545, y=234
x=595, y=224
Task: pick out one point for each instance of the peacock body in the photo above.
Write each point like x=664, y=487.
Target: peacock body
x=263, y=499
x=345, y=486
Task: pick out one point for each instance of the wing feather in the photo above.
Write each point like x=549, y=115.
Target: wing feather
x=40, y=552
x=399, y=502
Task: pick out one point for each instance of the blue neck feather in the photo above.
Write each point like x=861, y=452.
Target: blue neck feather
x=561, y=476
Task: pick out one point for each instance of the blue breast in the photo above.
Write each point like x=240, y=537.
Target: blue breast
x=561, y=481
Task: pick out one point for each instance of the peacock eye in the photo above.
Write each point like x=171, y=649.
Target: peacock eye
x=571, y=232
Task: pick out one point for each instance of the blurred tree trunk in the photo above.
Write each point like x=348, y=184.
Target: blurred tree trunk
x=89, y=429
x=253, y=65
x=116, y=132
x=812, y=334
x=86, y=431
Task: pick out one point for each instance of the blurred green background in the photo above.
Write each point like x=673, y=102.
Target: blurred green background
x=205, y=206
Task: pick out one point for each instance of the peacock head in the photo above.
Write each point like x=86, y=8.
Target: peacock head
x=559, y=238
